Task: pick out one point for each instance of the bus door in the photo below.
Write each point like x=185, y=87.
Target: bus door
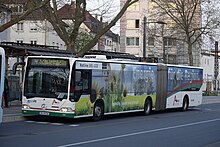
x=161, y=87
x=82, y=84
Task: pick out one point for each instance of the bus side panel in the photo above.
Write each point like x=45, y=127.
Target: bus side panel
x=184, y=82
x=195, y=98
x=176, y=100
x=129, y=86
x=122, y=87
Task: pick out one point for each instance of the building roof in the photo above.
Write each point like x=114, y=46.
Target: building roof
x=68, y=12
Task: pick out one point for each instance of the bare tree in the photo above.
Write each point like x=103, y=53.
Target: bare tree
x=193, y=19
x=79, y=15
x=29, y=7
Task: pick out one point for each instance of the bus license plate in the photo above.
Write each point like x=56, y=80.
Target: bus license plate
x=44, y=113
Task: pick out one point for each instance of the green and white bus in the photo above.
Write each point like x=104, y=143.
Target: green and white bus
x=2, y=79
x=81, y=87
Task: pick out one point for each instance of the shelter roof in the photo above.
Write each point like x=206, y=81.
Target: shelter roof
x=112, y=55
x=23, y=49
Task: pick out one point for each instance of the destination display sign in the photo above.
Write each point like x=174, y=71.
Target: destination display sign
x=49, y=62
x=88, y=65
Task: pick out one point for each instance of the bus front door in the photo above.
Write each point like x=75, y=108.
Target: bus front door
x=82, y=83
x=161, y=87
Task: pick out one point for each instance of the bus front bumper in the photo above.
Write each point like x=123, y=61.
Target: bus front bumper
x=47, y=113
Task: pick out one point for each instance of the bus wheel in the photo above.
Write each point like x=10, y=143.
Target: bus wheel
x=147, y=107
x=97, y=111
x=185, y=104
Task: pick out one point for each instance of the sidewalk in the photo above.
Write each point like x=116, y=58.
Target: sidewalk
x=13, y=113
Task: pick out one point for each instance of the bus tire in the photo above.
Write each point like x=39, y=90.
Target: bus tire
x=97, y=111
x=147, y=106
x=185, y=104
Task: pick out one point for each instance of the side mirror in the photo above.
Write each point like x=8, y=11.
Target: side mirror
x=14, y=69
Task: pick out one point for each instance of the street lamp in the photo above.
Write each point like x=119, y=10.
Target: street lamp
x=144, y=37
x=163, y=46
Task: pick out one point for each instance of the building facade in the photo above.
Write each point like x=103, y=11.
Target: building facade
x=210, y=83
x=161, y=40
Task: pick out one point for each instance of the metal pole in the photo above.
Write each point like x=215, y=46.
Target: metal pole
x=163, y=47
x=216, y=66
x=45, y=35
x=144, y=39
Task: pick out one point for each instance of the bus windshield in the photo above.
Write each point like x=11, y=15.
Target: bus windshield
x=47, y=79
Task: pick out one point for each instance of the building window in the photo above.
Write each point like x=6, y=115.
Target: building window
x=3, y=17
x=19, y=41
x=16, y=9
x=108, y=42
x=151, y=41
x=137, y=41
x=134, y=7
x=33, y=27
x=137, y=23
x=20, y=26
x=132, y=41
x=131, y=23
x=169, y=41
x=33, y=42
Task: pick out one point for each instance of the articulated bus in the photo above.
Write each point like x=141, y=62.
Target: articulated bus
x=2, y=75
x=82, y=87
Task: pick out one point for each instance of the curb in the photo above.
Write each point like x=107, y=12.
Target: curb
x=12, y=118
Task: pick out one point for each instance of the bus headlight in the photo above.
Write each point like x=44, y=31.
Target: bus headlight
x=66, y=109
x=25, y=106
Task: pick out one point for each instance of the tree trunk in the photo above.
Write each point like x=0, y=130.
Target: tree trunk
x=70, y=46
x=190, y=53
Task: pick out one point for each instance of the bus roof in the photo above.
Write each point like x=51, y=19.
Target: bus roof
x=125, y=61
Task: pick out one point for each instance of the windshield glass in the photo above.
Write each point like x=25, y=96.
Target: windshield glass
x=47, y=80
